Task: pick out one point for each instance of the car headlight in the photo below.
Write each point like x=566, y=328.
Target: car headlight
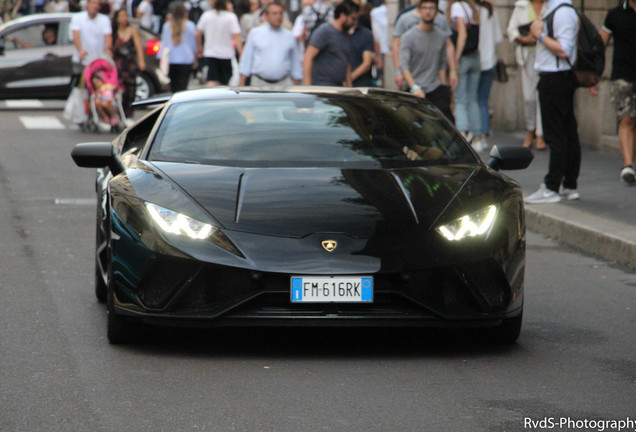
x=179, y=224
x=471, y=225
x=176, y=223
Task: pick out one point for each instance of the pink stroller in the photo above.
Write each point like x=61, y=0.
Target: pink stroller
x=106, y=109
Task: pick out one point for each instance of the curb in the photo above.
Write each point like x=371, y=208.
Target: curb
x=585, y=232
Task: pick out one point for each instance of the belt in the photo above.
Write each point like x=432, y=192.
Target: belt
x=562, y=72
x=270, y=81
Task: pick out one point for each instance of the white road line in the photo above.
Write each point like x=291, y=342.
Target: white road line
x=24, y=103
x=41, y=122
x=75, y=201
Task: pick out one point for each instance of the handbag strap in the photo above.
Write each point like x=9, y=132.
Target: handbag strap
x=467, y=15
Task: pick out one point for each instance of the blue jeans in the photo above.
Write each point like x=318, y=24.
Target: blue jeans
x=467, y=117
x=483, y=94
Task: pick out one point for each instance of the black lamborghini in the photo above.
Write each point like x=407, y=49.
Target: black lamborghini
x=306, y=206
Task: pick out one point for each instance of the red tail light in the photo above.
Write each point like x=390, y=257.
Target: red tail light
x=153, y=47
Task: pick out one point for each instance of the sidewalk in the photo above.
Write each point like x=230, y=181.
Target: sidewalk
x=601, y=223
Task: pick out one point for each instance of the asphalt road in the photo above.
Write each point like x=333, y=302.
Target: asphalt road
x=575, y=359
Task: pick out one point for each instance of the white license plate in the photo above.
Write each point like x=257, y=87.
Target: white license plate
x=341, y=289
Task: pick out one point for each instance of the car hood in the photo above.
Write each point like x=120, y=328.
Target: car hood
x=297, y=202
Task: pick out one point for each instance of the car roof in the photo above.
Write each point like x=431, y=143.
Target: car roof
x=225, y=92
x=48, y=17
x=35, y=18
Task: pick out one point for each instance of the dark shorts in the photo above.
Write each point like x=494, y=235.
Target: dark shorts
x=219, y=70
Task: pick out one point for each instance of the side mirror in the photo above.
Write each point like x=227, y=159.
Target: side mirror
x=97, y=155
x=510, y=158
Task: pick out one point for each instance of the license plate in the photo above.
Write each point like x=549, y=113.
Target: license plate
x=341, y=289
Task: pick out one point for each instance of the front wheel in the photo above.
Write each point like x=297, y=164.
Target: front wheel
x=144, y=87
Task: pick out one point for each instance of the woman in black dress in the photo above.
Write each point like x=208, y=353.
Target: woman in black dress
x=128, y=55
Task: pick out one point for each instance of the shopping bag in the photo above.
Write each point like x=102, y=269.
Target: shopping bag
x=75, y=108
x=501, y=74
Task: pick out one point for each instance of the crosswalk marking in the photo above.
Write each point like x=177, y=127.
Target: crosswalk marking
x=24, y=103
x=41, y=122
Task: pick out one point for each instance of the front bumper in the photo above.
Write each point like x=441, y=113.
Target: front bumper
x=183, y=292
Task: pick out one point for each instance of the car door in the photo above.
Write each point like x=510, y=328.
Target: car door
x=33, y=62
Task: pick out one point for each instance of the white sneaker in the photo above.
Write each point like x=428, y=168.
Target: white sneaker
x=628, y=175
x=477, y=145
x=543, y=196
x=468, y=136
x=569, y=194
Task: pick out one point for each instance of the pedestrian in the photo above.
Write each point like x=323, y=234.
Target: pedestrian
x=361, y=55
x=409, y=18
x=380, y=28
x=145, y=11
x=556, y=53
x=463, y=18
x=56, y=6
x=92, y=33
x=129, y=57
x=315, y=14
x=490, y=36
x=620, y=23
x=271, y=55
x=518, y=32
x=220, y=28
x=258, y=18
x=246, y=17
x=179, y=40
x=326, y=60
x=423, y=59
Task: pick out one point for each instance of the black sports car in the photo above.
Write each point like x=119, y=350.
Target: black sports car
x=305, y=206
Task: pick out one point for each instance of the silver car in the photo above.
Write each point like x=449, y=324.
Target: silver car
x=35, y=59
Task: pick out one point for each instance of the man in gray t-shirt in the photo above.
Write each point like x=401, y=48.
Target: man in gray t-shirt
x=423, y=59
x=406, y=22
x=326, y=60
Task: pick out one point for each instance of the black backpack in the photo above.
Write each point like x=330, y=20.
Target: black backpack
x=590, y=50
x=320, y=18
x=195, y=11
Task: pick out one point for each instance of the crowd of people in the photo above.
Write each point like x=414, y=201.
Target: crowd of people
x=442, y=50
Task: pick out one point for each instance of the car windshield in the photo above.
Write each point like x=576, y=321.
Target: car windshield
x=309, y=130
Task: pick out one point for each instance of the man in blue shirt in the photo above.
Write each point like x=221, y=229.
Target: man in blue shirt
x=361, y=56
x=271, y=54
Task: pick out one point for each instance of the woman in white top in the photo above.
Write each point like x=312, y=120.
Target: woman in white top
x=489, y=37
x=220, y=28
x=464, y=22
x=523, y=14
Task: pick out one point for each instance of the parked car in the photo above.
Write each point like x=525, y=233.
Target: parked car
x=34, y=64
x=305, y=207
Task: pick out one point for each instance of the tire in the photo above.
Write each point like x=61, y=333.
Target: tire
x=101, y=287
x=101, y=290
x=145, y=87
x=120, y=330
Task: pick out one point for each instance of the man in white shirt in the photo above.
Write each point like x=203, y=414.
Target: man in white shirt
x=220, y=27
x=145, y=11
x=556, y=52
x=271, y=55
x=92, y=33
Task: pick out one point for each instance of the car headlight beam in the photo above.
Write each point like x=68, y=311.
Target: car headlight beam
x=473, y=225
